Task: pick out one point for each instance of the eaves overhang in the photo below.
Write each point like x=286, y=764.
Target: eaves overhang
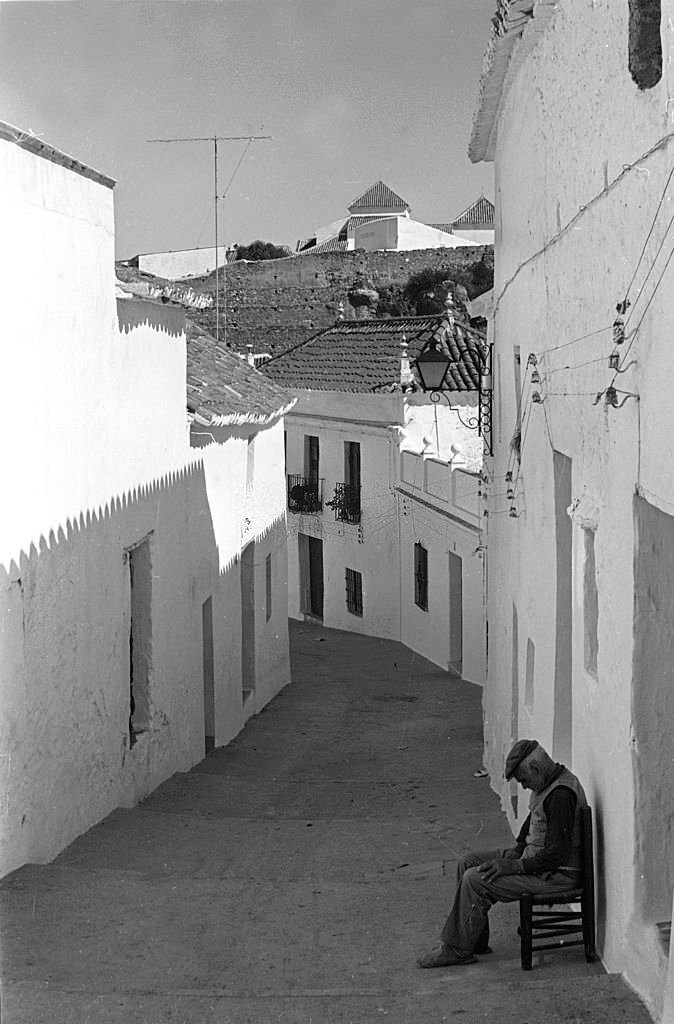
x=517, y=27
x=33, y=144
x=209, y=418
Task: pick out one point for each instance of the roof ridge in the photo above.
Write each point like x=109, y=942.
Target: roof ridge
x=379, y=192
x=293, y=348
x=473, y=206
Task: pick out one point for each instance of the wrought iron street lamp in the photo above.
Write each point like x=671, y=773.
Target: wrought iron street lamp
x=432, y=366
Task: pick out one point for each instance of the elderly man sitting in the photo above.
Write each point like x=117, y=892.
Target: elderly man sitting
x=547, y=855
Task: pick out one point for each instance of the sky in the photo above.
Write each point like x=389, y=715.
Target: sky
x=350, y=91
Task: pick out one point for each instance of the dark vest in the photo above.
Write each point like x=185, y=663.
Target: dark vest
x=538, y=824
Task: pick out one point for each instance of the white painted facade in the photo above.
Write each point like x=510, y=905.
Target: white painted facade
x=179, y=263
x=581, y=591
x=480, y=236
x=440, y=508
x=402, y=233
x=409, y=495
x=112, y=526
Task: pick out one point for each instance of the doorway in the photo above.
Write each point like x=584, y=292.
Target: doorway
x=248, y=620
x=311, y=575
x=208, y=673
x=455, y=613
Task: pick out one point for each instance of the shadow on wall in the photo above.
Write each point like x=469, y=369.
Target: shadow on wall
x=601, y=895
x=160, y=316
x=88, y=723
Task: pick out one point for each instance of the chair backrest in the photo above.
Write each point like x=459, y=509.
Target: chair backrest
x=588, y=851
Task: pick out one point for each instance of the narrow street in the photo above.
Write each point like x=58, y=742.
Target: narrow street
x=295, y=875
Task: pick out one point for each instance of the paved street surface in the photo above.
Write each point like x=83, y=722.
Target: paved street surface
x=294, y=876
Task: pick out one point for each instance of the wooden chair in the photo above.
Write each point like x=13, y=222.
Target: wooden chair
x=558, y=924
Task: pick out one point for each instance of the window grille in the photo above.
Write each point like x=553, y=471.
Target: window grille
x=354, y=592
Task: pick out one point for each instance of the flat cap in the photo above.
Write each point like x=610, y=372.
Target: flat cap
x=521, y=750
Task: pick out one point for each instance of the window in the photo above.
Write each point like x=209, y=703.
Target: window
x=267, y=575
x=311, y=457
x=421, y=576
x=354, y=592
x=352, y=465
x=346, y=499
x=645, y=45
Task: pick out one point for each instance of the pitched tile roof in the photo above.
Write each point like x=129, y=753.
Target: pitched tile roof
x=334, y=244
x=479, y=214
x=364, y=355
x=380, y=197
x=224, y=389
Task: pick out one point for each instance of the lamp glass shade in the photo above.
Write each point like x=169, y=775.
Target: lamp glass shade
x=432, y=365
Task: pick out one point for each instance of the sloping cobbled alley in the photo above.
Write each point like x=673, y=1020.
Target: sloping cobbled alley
x=294, y=875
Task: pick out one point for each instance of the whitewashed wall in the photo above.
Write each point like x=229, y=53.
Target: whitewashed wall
x=180, y=263
x=402, y=495
x=441, y=509
x=97, y=458
x=370, y=547
x=580, y=171
x=402, y=233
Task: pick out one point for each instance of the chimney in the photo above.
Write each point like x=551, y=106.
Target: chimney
x=406, y=375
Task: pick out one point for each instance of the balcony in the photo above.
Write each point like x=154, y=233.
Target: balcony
x=346, y=503
x=305, y=494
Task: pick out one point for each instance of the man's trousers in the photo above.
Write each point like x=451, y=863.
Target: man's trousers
x=466, y=929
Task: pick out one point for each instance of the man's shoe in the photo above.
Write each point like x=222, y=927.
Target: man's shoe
x=445, y=956
x=483, y=950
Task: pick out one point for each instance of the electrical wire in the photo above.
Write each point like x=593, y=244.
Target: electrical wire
x=648, y=236
x=575, y=366
x=547, y=427
x=566, y=344
x=650, y=270
x=636, y=329
x=206, y=220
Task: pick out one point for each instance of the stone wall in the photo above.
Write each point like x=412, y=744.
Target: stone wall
x=273, y=304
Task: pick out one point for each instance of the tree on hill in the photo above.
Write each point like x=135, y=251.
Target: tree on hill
x=259, y=250
x=426, y=291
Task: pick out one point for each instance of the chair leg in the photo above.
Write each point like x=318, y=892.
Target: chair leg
x=526, y=930
x=587, y=907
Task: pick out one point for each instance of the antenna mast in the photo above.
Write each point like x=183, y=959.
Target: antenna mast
x=215, y=139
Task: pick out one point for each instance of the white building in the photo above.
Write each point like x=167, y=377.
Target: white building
x=575, y=112
x=176, y=264
x=384, y=518
x=144, y=615
x=380, y=219
x=475, y=223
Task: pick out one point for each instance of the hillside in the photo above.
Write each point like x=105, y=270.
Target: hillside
x=275, y=303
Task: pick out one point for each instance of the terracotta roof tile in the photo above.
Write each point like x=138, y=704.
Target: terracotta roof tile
x=379, y=196
x=334, y=244
x=224, y=388
x=364, y=355
x=479, y=214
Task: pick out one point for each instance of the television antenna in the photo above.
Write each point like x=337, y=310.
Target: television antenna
x=248, y=139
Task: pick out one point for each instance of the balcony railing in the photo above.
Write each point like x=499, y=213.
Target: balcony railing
x=305, y=494
x=346, y=503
